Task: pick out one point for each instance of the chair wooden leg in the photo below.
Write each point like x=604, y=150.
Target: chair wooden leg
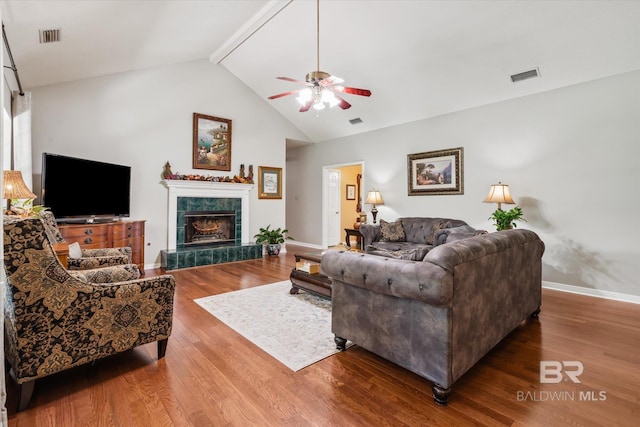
x=162, y=348
x=25, y=391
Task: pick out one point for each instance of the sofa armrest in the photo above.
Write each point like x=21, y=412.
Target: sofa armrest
x=370, y=233
x=400, y=278
x=470, y=249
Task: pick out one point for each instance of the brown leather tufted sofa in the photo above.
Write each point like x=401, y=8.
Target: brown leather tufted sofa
x=439, y=316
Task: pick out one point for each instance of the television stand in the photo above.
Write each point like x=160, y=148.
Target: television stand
x=111, y=234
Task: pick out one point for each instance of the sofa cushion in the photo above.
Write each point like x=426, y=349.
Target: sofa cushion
x=74, y=250
x=417, y=229
x=437, y=226
x=448, y=235
x=399, y=250
x=392, y=231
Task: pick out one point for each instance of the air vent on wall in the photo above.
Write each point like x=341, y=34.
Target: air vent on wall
x=49, y=36
x=355, y=121
x=525, y=75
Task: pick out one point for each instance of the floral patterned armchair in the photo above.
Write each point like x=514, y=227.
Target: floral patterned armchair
x=90, y=258
x=55, y=320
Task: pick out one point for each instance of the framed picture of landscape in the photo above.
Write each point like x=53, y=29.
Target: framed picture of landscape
x=211, y=142
x=436, y=172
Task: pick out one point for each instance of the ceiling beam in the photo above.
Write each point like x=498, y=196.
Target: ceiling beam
x=269, y=11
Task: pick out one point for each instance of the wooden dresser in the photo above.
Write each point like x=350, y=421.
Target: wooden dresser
x=109, y=235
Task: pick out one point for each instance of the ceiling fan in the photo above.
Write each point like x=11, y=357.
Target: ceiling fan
x=321, y=87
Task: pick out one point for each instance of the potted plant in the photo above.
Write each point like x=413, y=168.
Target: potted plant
x=506, y=220
x=273, y=238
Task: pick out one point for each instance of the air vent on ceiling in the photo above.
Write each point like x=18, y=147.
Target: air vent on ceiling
x=49, y=36
x=355, y=121
x=525, y=75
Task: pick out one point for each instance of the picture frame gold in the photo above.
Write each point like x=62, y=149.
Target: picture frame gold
x=269, y=182
x=211, y=142
x=437, y=172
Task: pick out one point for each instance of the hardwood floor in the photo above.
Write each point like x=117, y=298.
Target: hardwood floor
x=211, y=376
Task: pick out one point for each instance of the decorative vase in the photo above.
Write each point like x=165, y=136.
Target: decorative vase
x=273, y=248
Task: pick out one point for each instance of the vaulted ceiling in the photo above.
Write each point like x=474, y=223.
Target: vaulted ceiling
x=420, y=59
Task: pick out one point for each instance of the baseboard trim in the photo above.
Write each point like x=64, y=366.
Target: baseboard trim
x=307, y=245
x=598, y=293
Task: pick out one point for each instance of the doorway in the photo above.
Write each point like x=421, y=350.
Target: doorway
x=342, y=199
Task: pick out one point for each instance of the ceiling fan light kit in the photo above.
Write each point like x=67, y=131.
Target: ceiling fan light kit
x=321, y=86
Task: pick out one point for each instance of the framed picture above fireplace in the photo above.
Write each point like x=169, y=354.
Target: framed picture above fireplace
x=211, y=142
x=269, y=182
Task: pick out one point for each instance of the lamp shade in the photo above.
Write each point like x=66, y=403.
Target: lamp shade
x=13, y=186
x=499, y=193
x=374, y=198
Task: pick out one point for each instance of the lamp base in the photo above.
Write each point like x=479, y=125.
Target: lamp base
x=374, y=213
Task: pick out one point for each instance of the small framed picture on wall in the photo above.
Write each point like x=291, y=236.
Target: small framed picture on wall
x=269, y=182
x=351, y=192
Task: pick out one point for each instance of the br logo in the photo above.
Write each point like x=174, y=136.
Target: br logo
x=551, y=371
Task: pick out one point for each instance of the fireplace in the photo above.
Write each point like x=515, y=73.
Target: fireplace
x=208, y=223
x=209, y=228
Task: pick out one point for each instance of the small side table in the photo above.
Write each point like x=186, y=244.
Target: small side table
x=353, y=232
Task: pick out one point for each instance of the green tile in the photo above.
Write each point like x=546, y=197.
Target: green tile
x=186, y=259
x=204, y=257
x=183, y=203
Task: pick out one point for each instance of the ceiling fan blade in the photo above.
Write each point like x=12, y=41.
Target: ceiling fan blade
x=289, y=79
x=280, y=95
x=352, y=90
x=343, y=102
x=306, y=106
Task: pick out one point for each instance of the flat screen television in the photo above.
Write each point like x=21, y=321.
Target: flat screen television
x=82, y=190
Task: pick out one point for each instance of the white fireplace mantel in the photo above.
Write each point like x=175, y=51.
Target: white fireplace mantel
x=186, y=188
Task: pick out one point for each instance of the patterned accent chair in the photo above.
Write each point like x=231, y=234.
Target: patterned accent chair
x=91, y=258
x=55, y=320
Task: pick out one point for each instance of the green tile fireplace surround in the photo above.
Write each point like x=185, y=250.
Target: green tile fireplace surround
x=194, y=198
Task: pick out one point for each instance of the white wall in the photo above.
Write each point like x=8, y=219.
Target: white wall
x=144, y=119
x=570, y=157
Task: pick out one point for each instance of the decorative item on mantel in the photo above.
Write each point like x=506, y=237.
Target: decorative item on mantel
x=237, y=179
x=166, y=172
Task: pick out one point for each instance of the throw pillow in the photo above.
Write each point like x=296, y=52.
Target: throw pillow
x=439, y=225
x=74, y=250
x=392, y=231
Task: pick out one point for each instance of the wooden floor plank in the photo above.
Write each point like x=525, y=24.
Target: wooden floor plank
x=212, y=376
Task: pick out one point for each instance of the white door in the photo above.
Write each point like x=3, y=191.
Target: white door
x=334, y=236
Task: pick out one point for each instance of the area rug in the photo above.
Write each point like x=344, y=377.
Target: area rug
x=294, y=329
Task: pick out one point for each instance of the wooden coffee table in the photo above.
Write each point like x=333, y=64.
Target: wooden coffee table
x=317, y=283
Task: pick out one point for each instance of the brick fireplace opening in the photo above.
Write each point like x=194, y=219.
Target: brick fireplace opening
x=209, y=228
